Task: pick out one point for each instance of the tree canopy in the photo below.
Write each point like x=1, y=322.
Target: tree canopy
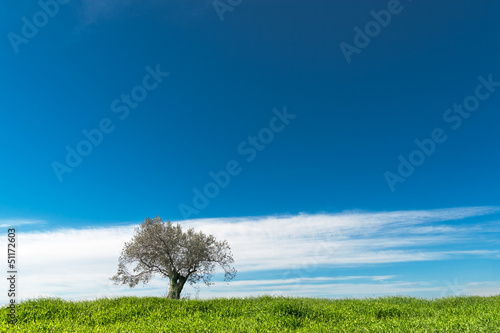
x=162, y=248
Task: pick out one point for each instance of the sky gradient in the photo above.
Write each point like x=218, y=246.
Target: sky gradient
x=372, y=124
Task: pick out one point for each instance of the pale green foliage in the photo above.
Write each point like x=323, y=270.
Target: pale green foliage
x=163, y=248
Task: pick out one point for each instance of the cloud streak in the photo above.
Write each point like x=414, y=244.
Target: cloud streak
x=9, y=223
x=77, y=263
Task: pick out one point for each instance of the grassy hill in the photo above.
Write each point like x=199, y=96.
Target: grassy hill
x=262, y=314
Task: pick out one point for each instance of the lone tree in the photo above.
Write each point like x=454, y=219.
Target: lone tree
x=163, y=248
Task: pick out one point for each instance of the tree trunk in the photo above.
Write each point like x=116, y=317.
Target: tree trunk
x=176, y=285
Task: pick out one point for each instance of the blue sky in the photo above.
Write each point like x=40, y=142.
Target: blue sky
x=225, y=116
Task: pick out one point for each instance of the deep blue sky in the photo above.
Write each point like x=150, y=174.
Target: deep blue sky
x=353, y=120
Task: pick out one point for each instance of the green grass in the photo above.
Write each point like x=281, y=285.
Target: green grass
x=262, y=314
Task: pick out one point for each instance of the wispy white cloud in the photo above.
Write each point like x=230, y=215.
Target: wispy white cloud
x=322, y=280
x=16, y=222
x=341, y=239
x=484, y=288
x=77, y=263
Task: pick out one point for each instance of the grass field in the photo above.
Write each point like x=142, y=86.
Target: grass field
x=262, y=314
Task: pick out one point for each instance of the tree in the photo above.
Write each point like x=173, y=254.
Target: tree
x=163, y=248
